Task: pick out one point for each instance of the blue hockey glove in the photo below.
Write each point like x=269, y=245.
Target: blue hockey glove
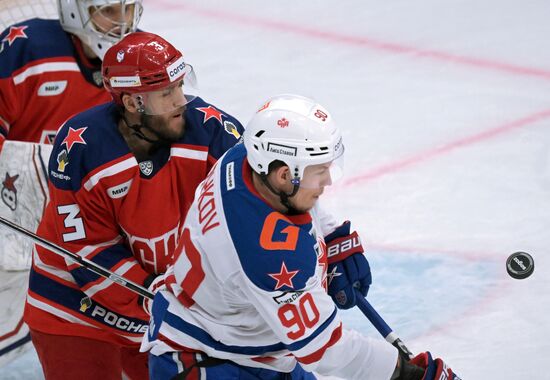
x=348, y=267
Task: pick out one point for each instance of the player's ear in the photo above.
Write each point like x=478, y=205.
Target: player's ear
x=129, y=103
x=282, y=175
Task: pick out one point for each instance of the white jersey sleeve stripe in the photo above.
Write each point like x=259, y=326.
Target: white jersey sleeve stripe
x=189, y=153
x=110, y=171
x=51, y=270
x=56, y=311
x=45, y=68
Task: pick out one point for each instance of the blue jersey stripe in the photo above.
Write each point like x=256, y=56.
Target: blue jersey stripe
x=195, y=332
x=77, y=301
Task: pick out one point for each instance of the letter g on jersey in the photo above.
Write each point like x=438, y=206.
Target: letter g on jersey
x=291, y=233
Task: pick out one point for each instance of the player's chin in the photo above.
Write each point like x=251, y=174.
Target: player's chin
x=307, y=205
x=316, y=195
x=176, y=126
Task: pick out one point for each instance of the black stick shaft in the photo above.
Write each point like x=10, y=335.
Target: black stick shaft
x=90, y=265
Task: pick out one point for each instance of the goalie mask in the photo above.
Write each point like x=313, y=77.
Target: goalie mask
x=152, y=71
x=100, y=23
x=299, y=132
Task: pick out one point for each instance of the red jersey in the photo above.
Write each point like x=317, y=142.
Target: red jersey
x=122, y=214
x=44, y=79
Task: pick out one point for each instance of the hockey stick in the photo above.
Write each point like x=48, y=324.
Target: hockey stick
x=90, y=265
x=381, y=325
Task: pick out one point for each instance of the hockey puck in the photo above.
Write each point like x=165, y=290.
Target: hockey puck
x=520, y=265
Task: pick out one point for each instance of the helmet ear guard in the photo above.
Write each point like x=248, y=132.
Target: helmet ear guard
x=299, y=132
x=75, y=18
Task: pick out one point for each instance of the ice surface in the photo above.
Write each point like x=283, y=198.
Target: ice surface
x=445, y=108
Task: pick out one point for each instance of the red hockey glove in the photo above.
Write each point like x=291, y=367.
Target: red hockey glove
x=423, y=367
x=348, y=268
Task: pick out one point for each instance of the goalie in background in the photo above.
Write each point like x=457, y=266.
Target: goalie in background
x=49, y=71
x=246, y=297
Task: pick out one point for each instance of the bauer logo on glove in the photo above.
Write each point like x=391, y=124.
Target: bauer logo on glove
x=348, y=268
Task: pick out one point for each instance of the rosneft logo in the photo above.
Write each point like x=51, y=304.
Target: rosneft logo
x=132, y=81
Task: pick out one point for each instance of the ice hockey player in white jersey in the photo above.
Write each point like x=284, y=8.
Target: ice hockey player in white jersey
x=246, y=297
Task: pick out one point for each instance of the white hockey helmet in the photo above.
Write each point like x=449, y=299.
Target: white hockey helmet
x=75, y=18
x=297, y=131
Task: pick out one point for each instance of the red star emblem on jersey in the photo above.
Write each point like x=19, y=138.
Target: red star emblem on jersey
x=15, y=33
x=74, y=137
x=211, y=112
x=284, y=277
x=9, y=182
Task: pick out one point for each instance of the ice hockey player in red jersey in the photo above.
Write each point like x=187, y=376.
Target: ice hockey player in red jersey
x=122, y=177
x=247, y=296
x=51, y=69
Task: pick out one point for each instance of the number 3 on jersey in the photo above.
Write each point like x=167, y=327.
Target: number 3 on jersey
x=72, y=222
x=298, y=318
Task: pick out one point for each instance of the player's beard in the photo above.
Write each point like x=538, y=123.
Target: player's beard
x=160, y=124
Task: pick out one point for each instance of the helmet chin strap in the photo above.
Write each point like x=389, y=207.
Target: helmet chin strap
x=137, y=131
x=136, y=128
x=284, y=197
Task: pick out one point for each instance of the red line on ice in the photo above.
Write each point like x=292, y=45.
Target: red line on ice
x=414, y=52
x=340, y=38
x=446, y=148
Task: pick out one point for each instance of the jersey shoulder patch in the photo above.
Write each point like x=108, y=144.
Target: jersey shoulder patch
x=84, y=143
x=214, y=124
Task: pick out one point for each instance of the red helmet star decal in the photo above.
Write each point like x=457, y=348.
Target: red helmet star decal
x=211, y=112
x=9, y=182
x=15, y=33
x=74, y=137
x=284, y=277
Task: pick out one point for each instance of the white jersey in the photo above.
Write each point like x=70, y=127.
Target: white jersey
x=249, y=285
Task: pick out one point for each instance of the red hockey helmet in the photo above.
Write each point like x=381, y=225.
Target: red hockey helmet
x=144, y=63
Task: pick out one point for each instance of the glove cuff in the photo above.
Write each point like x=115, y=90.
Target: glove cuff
x=341, y=248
